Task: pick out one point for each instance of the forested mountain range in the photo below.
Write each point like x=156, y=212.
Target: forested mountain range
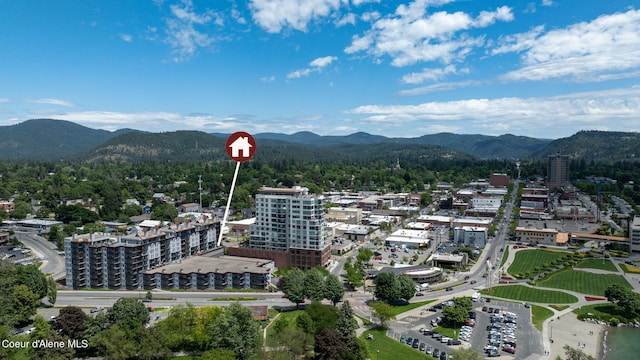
x=47, y=139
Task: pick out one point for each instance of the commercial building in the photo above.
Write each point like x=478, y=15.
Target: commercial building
x=471, y=236
x=499, y=179
x=412, y=239
x=100, y=260
x=290, y=228
x=557, y=170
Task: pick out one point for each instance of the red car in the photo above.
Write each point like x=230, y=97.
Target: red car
x=510, y=350
x=484, y=308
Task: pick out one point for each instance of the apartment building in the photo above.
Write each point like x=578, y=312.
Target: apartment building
x=290, y=228
x=634, y=233
x=100, y=260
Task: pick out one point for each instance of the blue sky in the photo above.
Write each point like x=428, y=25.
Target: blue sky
x=543, y=68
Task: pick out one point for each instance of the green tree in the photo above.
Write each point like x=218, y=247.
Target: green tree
x=23, y=303
x=455, y=314
x=387, y=287
x=323, y=316
x=304, y=322
x=364, y=255
x=21, y=210
x=53, y=352
x=466, y=354
x=624, y=297
x=383, y=311
x=293, y=286
x=128, y=311
x=296, y=341
x=406, y=287
x=236, y=330
x=313, y=285
x=280, y=324
x=164, y=212
x=52, y=290
x=346, y=324
x=464, y=302
x=334, y=290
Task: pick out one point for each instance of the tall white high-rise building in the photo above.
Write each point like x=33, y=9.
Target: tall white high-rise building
x=290, y=220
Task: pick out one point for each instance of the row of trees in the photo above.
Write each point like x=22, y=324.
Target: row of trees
x=122, y=332
x=311, y=284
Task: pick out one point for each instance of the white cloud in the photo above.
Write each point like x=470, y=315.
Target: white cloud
x=410, y=35
x=446, y=86
x=432, y=74
x=315, y=66
x=268, y=79
x=50, y=101
x=547, y=3
x=182, y=34
x=323, y=61
x=606, y=47
x=274, y=15
x=348, y=19
x=126, y=37
x=4, y=101
x=588, y=110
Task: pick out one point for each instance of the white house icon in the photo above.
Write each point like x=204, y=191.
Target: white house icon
x=241, y=144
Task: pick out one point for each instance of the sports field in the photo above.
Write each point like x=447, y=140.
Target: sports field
x=525, y=293
x=530, y=260
x=583, y=282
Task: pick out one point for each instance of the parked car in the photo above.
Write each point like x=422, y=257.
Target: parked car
x=97, y=309
x=449, y=289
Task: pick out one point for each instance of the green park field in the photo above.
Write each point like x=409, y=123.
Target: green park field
x=530, y=260
x=583, y=282
x=525, y=293
x=382, y=347
x=607, y=265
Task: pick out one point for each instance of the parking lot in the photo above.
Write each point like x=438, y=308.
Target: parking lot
x=15, y=253
x=520, y=335
x=515, y=332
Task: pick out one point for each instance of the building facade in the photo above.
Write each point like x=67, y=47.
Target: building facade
x=290, y=228
x=116, y=262
x=634, y=233
x=557, y=170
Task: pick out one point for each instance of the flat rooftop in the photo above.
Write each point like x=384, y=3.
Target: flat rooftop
x=205, y=264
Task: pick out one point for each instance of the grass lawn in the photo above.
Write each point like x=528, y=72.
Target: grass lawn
x=399, y=309
x=382, y=347
x=583, y=282
x=524, y=293
x=504, y=256
x=528, y=260
x=597, y=264
x=539, y=314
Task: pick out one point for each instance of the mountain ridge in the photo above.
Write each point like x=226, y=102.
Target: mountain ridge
x=50, y=139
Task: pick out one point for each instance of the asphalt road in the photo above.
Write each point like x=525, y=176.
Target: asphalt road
x=44, y=251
